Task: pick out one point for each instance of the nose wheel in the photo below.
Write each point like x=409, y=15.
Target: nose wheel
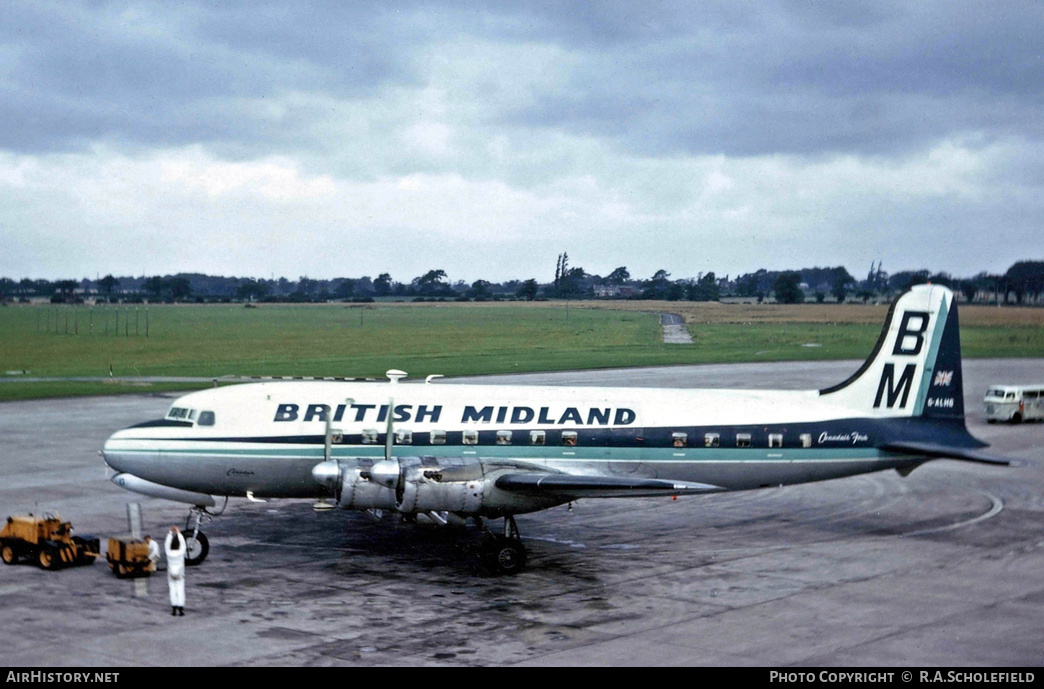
x=197, y=547
x=504, y=553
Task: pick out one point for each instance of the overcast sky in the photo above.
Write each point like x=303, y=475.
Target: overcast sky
x=352, y=138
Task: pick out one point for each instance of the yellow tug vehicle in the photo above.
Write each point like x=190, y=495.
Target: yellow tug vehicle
x=47, y=541
x=129, y=557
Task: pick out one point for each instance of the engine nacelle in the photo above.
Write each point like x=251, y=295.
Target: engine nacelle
x=459, y=485
x=441, y=487
x=358, y=492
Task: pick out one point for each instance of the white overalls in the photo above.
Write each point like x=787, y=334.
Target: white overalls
x=154, y=554
x=176, y=570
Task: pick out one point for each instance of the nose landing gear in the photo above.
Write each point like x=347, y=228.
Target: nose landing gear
x=196, y=544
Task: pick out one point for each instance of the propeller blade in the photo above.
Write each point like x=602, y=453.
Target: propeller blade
x=328, y=438
x=389, y=439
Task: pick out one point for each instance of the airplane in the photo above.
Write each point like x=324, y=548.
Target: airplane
x=459, y=452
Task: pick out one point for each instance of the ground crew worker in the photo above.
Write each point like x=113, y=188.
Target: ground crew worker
x=175, y=549
x=154, y=552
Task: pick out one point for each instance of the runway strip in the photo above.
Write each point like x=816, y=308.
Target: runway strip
x=674, y=329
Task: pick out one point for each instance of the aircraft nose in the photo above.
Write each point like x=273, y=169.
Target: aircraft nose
x=114, y=452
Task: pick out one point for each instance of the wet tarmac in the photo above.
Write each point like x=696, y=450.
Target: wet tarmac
x=940, y=568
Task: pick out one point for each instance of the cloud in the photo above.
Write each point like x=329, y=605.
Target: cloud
x=331, y=139
x=186, y=209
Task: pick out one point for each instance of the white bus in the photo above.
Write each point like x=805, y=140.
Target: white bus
x=1014, y=403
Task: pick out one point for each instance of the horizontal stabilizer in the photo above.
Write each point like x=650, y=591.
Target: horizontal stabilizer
x=568, y=485
x=947, y=452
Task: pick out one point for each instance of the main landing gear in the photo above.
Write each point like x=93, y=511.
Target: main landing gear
x=503, y=554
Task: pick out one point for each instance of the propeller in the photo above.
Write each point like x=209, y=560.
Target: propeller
x=389, y=439
x=328, y=472
x=328, y=438
x=386, y=471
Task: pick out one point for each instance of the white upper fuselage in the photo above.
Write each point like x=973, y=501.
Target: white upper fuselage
x=266, y=437
x=299, y=408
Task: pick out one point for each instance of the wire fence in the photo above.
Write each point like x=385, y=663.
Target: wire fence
x=97, y=320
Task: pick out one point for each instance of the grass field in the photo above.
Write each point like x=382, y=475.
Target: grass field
x=451, y=339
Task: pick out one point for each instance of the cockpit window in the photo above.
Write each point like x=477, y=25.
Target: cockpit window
x=181, y=413
x=206, y=418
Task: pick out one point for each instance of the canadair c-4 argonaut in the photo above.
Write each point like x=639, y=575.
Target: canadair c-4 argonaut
x=459, y=452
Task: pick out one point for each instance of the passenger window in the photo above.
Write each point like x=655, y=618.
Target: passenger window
x=206, y=418
x=438, y=437
x=503, y=437
x=743, y=440
x=775, y=440
x=336, y=437
x=679, y=439
x=369, y=436
x=806, y=440
x=711, y=440
x=569, y=438
x=536, y=437
x=470, y=437
x=403, y=437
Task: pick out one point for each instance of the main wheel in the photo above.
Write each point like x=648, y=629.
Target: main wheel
x=8, y=554
x=504, y=556
x=196, y=549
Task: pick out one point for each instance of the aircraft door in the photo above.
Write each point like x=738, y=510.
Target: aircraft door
x=625, y=453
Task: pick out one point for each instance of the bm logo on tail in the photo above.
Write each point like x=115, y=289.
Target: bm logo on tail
x=908, y=342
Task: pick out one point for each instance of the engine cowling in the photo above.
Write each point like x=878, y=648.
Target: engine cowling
x=417, y=485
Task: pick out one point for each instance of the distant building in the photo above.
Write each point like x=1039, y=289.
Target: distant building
x=615, y=291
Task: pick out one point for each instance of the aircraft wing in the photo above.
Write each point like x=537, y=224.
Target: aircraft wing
x=947, y=452
x=568, y=485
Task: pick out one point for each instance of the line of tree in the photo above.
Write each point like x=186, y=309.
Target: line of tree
x=1022, y=283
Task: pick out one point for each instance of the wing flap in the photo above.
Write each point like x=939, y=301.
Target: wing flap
x=569, y=485
x=948, y=452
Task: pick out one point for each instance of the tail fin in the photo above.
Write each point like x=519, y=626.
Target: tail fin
x=915, y=368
